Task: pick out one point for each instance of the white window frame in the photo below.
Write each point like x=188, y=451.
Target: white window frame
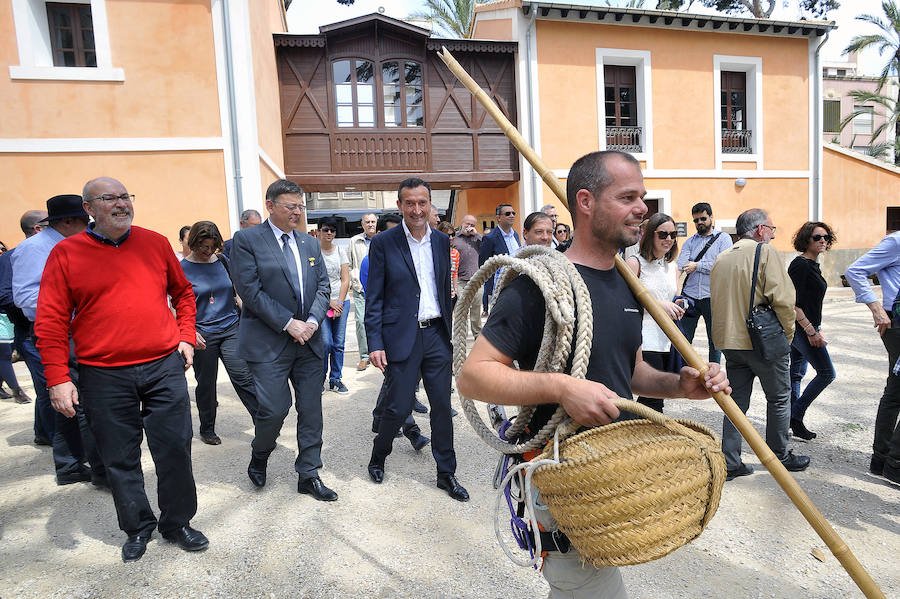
x=640, y=60
x=752, y=66
x=861, y=119
x=35, y=55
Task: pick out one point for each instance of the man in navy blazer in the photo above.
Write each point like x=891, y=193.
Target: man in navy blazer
x=408, y=329
x=281, y=278
x=503, y=239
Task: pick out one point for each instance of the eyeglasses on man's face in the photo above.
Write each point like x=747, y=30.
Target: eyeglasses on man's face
x=821, y=237
x=772, y=227
x=292, y=207
x=662, y=235
x=111, y=198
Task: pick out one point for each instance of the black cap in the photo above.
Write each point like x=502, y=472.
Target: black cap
x=67, y=205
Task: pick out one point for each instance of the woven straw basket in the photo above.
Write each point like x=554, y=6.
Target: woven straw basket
x=633, y=491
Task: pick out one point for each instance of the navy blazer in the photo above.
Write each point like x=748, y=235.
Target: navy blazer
x=261, y=277
x=392, y=291
x=493, y=244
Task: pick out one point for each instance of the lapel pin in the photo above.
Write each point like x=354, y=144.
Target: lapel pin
x=312, y=261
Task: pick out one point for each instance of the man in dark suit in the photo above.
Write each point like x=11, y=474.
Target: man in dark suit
x=280, y=275
x=408, y=329
x=502, y=240
x=249, y=218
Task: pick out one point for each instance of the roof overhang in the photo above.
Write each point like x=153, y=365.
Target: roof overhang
x=591, y=13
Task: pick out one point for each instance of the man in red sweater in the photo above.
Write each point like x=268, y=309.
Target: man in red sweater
x=132, y=356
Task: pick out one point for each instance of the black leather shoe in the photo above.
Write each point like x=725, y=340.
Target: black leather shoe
x=455, y=490
x=187, y=538
x=69, y=478
x=419, y=407
x=876, y=466
x=100, y=481
x=42, y=440
x=800, y=431
x=795, y=463
x=420, y=442
x=257, y=471
x=742, y=470
x=376, y=473
x=315, y=487
x=134, y=548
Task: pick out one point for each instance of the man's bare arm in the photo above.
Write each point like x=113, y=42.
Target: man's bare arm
x=488, y=375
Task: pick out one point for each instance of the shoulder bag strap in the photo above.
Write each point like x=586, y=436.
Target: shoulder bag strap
x=700, y=256
x=753, y=282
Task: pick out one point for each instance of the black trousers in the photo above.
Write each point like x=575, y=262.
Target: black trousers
x=121, y=403
x=887, y=427
x=656, y=359
x=432, y=355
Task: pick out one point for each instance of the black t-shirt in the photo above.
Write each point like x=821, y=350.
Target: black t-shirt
x=516, y=325
x=810, y=285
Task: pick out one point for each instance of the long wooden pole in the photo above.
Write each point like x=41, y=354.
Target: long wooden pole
x=769, y=460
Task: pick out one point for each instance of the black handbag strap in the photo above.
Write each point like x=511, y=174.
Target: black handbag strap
x=753, y=282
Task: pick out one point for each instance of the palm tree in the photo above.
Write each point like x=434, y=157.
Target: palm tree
x=888, y=39
x=453, y=16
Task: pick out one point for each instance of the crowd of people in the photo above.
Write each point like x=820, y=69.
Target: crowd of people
x=107, y=348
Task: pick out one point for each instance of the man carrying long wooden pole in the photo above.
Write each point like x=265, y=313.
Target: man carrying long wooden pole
x=605, y=193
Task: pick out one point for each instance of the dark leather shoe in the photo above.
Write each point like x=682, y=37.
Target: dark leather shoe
x=876, y=466
x=742, y=470
x=376, y=473
x=134, y=548
x=795, y=463
x=315, y=487
x=187, y=538
x=257, y=471
x=69, y=478
x=419, y=407
x=42, y=440
x=212, y=439
x=455, y=490
x=420, y=442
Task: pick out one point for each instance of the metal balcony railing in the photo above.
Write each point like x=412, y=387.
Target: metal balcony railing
x=737, y=141
x=624, y=139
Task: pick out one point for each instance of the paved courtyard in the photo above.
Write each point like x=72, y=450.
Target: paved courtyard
x=406, y=538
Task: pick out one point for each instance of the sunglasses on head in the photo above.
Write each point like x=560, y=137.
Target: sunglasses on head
x=700, y=219
x=820, y=237
x=661, y=235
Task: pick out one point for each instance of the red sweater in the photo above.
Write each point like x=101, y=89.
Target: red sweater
x=113, y=301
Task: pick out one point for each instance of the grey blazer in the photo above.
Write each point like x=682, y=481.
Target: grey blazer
x=261, y=278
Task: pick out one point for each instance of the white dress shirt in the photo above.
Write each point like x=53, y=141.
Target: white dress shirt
x=512, y=244
x=292, y=243
x=423, y=261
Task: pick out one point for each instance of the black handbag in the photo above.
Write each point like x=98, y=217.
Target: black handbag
x=766, y=333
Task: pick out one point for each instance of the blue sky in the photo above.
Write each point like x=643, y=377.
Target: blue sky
x=305, y=16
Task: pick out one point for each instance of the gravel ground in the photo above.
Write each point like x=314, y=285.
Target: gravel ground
x=406, y=538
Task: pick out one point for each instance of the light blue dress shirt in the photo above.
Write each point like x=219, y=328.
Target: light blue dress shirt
x=697, y=284
x=28, y=265
x=883, y=259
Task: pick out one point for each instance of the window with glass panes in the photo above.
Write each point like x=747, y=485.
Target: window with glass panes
x=354, y=87
x=71, y=34
x=734, y=100
x=403, y=94
x=620, y=96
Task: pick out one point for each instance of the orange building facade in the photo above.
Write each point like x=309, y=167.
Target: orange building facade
x=717, y=109
x=176, y=98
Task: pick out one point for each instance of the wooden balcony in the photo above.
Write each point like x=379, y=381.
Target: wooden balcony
x=360, y=151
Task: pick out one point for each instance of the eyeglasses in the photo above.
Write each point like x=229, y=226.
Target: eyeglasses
x=509, y=213
x=560, y=230
x=821, y=237
x=111, y=198
x=701, y=219
x=770, y=227
x=292, y=207
x=328, y=230
x=662, y=235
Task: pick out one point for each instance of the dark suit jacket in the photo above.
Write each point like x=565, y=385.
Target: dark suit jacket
x=260, y=276
x=392, y=292
x=493, y=244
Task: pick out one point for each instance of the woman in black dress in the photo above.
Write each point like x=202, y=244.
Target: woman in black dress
x=809, y=345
